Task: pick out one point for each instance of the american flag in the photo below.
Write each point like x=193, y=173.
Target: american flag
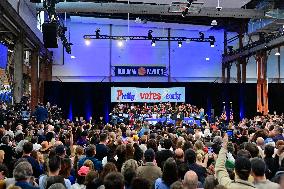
x=231, y=114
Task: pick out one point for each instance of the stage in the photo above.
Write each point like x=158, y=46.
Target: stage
x=94, y=99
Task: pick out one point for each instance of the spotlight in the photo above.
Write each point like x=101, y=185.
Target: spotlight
x=120, y=43
x=214, y=23
x=207, y=59
x=153, y=43
x=277, y=53
x=201, y=35
x=98, y=33
x=150, y=34
x=212, y=44
x=72, y=57
x=87, y=42
x=179, y=44
x=185, y=12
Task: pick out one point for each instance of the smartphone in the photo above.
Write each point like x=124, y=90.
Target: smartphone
x=230, y=133
x=210, y=151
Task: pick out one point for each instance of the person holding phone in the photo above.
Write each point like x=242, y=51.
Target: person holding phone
x=242, y=170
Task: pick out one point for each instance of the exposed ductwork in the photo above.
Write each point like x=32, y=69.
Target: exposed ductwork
x=148, y=9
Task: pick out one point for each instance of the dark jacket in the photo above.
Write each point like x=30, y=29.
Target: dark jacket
x=97, y=164
x=102, y=151
x=37, y=171
x=25, y=185
x=162, y=156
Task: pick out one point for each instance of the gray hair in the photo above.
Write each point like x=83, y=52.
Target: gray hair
x=129, y=164
x=23, y=171
x=57, y=186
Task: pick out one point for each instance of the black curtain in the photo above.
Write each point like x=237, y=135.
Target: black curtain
x=93, y=99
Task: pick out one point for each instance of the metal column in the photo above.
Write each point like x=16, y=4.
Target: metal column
x=262, y=88
x=34, y=79
x=18, y=69
x=225, y=53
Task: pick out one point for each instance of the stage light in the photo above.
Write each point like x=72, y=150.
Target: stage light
x=207, y=59
x=277, y=53
x=201, y=35
x=120, y=43
x=214, y=23
x=72, y=57
x=153, y=43
x=98, y=33
x=212, y=44
x=150, y=36
x=87, y=42
x=184, y=13
x=179, y=44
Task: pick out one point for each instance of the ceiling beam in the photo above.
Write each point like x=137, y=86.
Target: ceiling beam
x=251, y=51
x=147, y=9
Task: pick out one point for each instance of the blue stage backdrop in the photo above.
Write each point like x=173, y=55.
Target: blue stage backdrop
x=94, y=99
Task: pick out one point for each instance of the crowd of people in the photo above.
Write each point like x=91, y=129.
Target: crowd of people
x=130, y=112
x=46, y=151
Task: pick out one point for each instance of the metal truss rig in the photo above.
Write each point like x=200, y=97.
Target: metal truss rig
x=210, y=39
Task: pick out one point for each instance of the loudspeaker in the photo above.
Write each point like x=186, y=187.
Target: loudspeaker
x=35, y=1
x=49, y=31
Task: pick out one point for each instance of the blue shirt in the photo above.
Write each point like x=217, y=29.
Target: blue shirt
x=97, y=164
x=160, y=184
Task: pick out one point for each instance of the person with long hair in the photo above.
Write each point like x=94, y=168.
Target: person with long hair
x=170, y=175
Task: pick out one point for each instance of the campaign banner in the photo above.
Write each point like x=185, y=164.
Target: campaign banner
x=135, y=94
x=140, y=71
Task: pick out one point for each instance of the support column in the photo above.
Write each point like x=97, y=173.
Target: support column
x=34, y=79
x=262, y=88
x=244, y=70
x=18, y=70
x=228, y=79
x=240, y=60
x=278, y=65
x=239, y=74
x=225, y=53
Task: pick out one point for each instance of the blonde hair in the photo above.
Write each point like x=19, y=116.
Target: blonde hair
x=198, y=145
x=199, y=157
x=90, y=164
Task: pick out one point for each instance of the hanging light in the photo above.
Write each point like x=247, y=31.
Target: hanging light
x=277, y=53
x=87, y=42
x=179, y=44
x=120, y=43
x=153, y=43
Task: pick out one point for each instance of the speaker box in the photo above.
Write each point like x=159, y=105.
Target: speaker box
x=35, y=1
x=49, y=31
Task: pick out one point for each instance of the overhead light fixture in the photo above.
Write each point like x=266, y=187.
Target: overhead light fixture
x=120, y=43
x=214, y=23
x=72, y=57
x=179, y=44
x=212, y=44
x=201, y=35
x=207, y=59
x=150, y=36
x=98, y=33
x=153, y=43
x=185, y=12
x=277, y=53
x=87, y=42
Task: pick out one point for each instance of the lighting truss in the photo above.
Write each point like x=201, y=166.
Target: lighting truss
x=210, y=39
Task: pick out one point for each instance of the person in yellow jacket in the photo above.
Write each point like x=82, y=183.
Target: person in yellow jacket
x=242, y=169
